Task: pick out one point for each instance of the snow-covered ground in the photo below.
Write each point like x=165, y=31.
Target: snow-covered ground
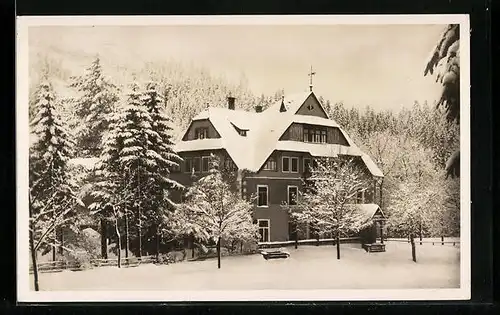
x=309, y=267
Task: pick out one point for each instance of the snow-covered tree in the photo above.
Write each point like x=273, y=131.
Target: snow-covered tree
x=413, y=210
x=96, y=101
x=137, y=158
x=164, y=159
x=52, y=198
x=445, y=60
x=109, y=189
x=295, y=218
x=215, y=212
x=326, y=201
x=136, y=163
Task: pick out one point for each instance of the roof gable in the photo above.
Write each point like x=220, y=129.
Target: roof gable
x=312, y=107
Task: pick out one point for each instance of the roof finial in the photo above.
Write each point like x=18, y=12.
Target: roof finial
x=311, y=73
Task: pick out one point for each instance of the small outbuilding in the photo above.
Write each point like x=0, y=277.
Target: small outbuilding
x=372, y=236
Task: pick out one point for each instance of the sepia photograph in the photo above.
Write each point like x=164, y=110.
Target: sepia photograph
x=256, y=158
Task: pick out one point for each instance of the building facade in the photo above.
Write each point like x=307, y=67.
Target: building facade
x=269, y=152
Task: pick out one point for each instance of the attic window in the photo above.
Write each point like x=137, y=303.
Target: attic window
x=315, y=134
x=201, y=133
x=241, y=132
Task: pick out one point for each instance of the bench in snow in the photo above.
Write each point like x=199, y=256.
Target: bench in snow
x=375, y=247
x=275, y=254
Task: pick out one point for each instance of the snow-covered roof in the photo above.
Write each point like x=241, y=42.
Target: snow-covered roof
x=368, y=209
x=264, y=130
x=199, y=144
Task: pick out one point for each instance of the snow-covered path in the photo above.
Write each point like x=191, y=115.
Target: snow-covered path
x=309, y=267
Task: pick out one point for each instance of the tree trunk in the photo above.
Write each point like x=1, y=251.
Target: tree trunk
x=192, y=246
x=218, y=253
x=119, y=244
x=33, y=251
x=338, y=245
x=61, y=239
x=413, y=253
x=104, y=240
x=157, y=242
x=241, y=247
x=442, y=240
x=54, y=245
x=139, y=232
x=127, y=238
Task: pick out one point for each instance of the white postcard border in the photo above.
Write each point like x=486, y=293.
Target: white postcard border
x=22, y=146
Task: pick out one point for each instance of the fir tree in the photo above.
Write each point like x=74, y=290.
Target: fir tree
x=445, y=60
x=165, y=159
x=93, y=107
x=51, y=196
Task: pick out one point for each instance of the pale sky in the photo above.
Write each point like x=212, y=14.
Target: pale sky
x=377, y=65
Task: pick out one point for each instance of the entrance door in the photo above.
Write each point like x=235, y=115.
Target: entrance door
x=264, y=230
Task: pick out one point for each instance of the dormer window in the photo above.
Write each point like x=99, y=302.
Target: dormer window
x=201, y=133
x=241, y=132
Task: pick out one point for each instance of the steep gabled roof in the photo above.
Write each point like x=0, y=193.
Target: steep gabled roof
x=368, y=210
x=264, y=131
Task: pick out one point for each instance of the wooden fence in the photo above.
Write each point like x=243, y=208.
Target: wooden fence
x=455, y=242
x=324, y=241
x=59, y=265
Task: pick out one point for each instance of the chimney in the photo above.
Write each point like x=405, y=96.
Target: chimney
x=258, y=109
x=230, y=102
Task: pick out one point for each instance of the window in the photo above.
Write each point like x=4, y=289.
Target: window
x=201, y=133
x=197, y=164
x=285, y=161
x=264, y=230
x=262, y=191
x=307, y=164
x=360, y=197
x=188, y=165
x=293, y=193
x=315, y=134
x=205, y=164
x=228, y=164
x=295, y=164
x=290, y=164
x=270, y=164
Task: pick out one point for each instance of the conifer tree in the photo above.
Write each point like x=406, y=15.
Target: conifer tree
x=96, y=102
x=51, y=196
x=445, y=60
x=160, y=150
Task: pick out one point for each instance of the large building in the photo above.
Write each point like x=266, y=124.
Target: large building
x=270, y=150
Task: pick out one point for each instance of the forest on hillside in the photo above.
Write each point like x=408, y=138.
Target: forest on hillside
x=410, y=145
